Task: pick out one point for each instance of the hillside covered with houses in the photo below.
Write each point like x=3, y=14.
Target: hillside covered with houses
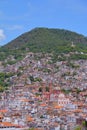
x=43, y=94
x=43, y=81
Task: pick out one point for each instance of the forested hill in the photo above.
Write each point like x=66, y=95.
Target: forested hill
x=46, y=40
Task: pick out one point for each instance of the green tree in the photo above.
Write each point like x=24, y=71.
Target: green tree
x=40, y=89
x=31, y=78
x=78, y=128
x=1, y=88
x=47, y=89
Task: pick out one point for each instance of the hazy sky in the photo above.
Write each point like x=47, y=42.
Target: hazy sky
x=19, y=16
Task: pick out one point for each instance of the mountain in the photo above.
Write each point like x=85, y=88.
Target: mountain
x=45, y=86
x=45, y=40
x=40, y=37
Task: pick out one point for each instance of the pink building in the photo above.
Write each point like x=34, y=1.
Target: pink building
x=62, y=100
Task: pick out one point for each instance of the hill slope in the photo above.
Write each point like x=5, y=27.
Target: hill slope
x=45, y=36
x=46, y=40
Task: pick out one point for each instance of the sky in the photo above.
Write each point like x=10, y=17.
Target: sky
x=20, y=16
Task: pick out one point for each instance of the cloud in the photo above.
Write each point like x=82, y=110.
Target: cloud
x=15, y=27
x=2, y=35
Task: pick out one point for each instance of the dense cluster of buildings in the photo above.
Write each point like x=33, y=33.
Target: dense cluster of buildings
x=45, y=95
